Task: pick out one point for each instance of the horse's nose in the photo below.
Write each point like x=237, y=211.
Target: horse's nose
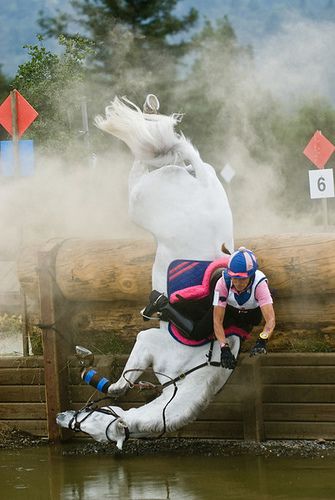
x=64, y=418
x=60, y=417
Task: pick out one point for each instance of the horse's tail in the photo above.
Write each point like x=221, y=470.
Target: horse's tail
x=151, y=137
x=147, y=136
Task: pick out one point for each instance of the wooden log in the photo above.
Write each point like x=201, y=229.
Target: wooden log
x=101, y=271
x=120, y=317
x=111, y=270
x=296, y=264
x=87, y=270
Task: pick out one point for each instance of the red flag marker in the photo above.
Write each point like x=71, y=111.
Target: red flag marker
x=26, y=114
x=319, y=149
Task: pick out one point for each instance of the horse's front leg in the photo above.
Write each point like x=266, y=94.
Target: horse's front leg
x=140, y=359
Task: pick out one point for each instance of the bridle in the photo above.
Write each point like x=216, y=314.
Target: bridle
x=75, y=425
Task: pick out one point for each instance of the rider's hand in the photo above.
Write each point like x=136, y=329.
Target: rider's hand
x=227, y=358
x=259, y=347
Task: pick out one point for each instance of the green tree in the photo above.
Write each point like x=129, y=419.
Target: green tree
x=54, y=85
x=233, y=119
x=4, y=85
x=292, y=133
x=209, y=93
x=139, y=43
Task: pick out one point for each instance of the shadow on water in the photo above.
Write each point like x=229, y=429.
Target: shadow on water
x=46, y=473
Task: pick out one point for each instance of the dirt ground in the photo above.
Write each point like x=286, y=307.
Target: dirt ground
x=14, y=439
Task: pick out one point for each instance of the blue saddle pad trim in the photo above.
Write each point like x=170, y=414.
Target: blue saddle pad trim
x=185, y=273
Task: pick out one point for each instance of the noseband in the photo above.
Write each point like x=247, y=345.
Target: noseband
x=75, y=425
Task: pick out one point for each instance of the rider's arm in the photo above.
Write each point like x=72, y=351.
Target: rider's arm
x=219, y=310
x=218, y=317
x=265, y=301
x=270, y=319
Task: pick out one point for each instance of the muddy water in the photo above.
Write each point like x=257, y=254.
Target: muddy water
x=46, y=473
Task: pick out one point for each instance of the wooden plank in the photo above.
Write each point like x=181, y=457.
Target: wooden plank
x=81, y=393
x=298, y=375
x=22, y=393
x=25, y=411
x=35, y=427
x=21, y=376
x=299, y=430
x=21, y=362
x=298, y=359
x=299, y=393
x=219, y=411
x=305, y=412
x=304, y=310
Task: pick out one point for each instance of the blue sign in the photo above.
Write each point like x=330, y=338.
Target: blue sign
x=26, y=158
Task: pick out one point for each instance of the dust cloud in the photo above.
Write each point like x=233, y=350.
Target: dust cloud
x=289, y=69
x=88, y=202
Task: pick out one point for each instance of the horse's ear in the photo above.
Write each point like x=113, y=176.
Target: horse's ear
x=224, y=249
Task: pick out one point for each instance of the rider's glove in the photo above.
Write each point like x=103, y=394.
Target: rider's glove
x=227, y=358
x=259, y=347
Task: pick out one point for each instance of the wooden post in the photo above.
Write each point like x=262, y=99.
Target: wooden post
x=25, y=340
x=15, y=133
x=56, y=345
x=253, y=423
x=325, y=213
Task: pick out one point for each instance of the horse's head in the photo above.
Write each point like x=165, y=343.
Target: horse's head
x=103, y=425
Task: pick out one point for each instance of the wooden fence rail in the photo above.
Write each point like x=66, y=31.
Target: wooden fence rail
x=278, y=396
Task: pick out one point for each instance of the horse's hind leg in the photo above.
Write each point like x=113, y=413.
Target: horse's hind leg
x=139, y=360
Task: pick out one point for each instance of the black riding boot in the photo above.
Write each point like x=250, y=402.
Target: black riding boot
x=158, y=303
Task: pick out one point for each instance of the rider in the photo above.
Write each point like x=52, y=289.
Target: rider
x=241, y=299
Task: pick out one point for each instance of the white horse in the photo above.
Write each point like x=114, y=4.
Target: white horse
x=172, y=192
x=177, y=197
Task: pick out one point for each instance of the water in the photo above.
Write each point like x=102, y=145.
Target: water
x=46, y=474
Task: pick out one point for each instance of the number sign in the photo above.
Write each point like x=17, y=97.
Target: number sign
x=321, y=183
